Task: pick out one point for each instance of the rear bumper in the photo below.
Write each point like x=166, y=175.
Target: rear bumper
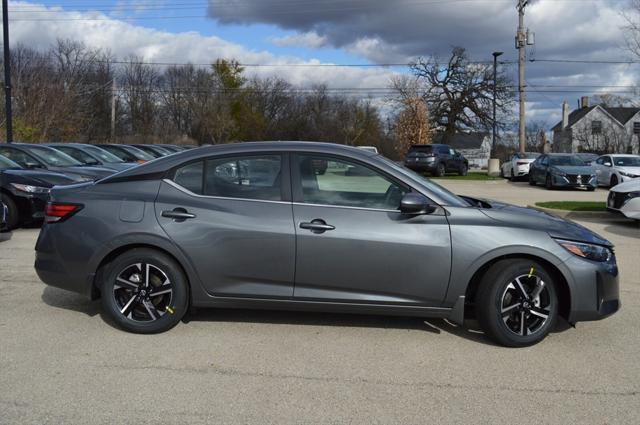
x=52, y=272
x=5, y=236
x=421, y=166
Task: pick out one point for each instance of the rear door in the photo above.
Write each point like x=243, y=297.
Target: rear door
x=353, y=245
x=232, y=217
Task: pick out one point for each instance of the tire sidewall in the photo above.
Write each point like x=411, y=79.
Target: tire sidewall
x=14, y=214
x=180, y=296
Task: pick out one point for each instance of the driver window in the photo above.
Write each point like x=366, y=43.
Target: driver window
x=334, y=181
x=544, y=160
x=600, y=161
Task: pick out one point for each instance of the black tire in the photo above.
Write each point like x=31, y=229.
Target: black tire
x=548, y=183
x=512, y=177
x=463, y=170
x=591, y=188
x=147, y=313
x=502, y=173
x=440, y=170
x=614, y=181
x=532, y=181
x=501, y=312
x=13, y=218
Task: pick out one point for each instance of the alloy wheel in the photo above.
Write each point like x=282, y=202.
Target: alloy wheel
x=525, y=305
x=143, y=292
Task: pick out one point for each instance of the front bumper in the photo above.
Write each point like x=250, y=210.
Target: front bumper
x=575, y=182
x=619, y=203
x=31, y=205
x=595, y=290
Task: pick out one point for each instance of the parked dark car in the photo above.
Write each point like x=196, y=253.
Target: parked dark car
x=253, y=225
x=92, y=156
x=128, y=153
x=43, y=157
x=26, y=192
x=5, y=231
x=436, y=160
x=156, y=151
x=562, y=170
x=172, y=148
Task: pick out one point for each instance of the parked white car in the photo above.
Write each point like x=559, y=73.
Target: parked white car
x=625, y=198
x=518, y=165
x=614, y=169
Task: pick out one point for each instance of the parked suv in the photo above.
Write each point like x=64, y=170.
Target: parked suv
x=436, y=159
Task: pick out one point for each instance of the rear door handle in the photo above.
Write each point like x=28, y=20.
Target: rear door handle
x=317, y=226
x=178, y=214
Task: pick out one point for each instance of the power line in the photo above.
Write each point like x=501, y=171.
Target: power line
x=589, y=61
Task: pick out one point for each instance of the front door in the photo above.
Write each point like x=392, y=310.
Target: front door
x=353, y=245
x=232, y=217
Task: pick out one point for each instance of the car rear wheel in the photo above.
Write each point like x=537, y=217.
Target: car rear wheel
x=13, y=216
x=463, y=170
x=532, y=181
x=614, y=181
x=440, y=170
x=144, y=291
x=517, y=303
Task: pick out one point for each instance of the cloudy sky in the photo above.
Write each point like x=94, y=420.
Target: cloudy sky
x=299, y=33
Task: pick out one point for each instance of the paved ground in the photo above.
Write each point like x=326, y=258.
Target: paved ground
x=60, y=361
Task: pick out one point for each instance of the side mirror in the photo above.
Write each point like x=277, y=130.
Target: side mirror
x=607, y=164
x=412, y=203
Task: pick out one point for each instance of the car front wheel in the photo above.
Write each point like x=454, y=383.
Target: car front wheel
x=517, y=303
x=144, y=291
x=549, y=182
x=13, y=214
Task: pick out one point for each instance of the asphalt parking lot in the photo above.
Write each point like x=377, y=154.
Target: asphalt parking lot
x=61, y=361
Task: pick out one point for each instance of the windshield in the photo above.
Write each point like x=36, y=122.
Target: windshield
x=53, y=157
x=78, y=155
x=7, y=164
x=449, y=198
x=528, y=155
x=104, y=156
x=139, y=153
x=566, y=160
x=626, y=161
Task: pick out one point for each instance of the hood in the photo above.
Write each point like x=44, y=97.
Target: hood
x=575, y=169
x=630, y=170
x=530, y=218
x=38, y=178
x=630, y=186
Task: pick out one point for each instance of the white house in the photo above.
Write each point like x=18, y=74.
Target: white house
x=599, y=129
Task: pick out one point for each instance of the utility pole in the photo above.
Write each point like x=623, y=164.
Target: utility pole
x=113, y=110
x=521, y=45
x=495, y=85
x=7, y=71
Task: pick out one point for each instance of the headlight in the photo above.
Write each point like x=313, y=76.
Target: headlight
x=622, y=173
x=586, y=250
x=30, y=189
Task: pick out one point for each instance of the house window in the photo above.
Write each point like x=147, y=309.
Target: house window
x=596, y=127
x=636, y=127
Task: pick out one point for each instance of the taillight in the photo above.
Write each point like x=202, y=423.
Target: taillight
x=141, y=161
x=522, y=163
x=55, y=212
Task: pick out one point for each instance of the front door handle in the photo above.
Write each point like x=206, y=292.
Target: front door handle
x=317, y=226
x=178, y=214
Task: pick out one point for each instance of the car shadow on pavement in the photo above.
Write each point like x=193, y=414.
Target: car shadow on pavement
x=66, y=300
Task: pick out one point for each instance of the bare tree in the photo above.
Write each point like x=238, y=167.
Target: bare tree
x=459, y=92
x=140, y=83
x=632, y=27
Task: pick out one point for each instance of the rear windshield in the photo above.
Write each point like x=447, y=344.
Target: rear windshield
x=106, y=157
x=416, y=150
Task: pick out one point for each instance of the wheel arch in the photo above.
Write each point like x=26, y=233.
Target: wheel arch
x=562, y=286
x=106, y=257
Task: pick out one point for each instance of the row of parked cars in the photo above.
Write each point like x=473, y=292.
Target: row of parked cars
x=28, y=172
x=619, y=172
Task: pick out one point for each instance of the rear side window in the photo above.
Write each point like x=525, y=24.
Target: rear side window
x=248, y=177
x=443, y=149
x=190, y=177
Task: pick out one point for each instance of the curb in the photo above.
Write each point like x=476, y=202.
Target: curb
x=575, y=214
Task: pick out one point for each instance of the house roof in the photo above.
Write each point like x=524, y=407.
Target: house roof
x=622, y=115
x=463, y=140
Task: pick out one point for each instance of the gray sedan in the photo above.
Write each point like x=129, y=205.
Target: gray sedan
x=562, y=170
x=255, y=225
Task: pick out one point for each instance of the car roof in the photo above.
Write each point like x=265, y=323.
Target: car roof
x=622, y=155
x=160, y=165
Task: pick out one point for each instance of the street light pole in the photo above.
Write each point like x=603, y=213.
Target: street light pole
x=7, y=71
x=495, y=84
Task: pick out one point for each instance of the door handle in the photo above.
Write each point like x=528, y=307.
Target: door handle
x=317, y=226
x=178, y=214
